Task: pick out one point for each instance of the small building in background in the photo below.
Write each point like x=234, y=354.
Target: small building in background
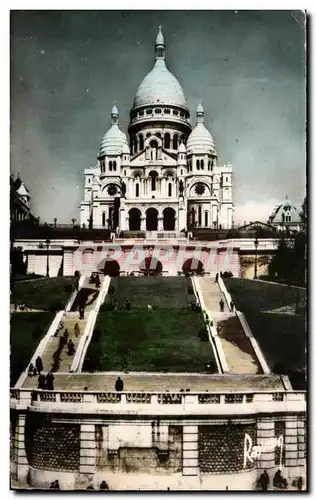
x=286, y=216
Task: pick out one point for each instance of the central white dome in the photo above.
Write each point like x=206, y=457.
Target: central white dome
x=160, y=87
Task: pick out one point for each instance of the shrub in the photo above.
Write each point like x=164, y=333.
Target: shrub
x=203, y=335
x=111, y=290
x=77, y=274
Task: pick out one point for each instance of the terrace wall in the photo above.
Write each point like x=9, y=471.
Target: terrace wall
x=61, y=441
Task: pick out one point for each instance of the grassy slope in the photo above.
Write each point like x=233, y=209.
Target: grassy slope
x=39, y=294
x=282, y=337
x=160, y=292
x=150, y=341
x=22, y=342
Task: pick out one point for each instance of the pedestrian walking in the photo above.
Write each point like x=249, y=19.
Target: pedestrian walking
x=119, y=384
x=50, y=381
x=41, y=381
x=216, y=278
x=97, y=281
x=39, y=364
x=221, y=305
x=232, y=306
x=77, y=330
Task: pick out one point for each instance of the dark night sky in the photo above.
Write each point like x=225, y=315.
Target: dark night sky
x=68, y=67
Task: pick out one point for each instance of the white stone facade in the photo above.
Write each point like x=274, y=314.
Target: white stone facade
x=168, y=178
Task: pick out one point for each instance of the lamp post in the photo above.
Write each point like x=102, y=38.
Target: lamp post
x=256, y=243
x=47, y=243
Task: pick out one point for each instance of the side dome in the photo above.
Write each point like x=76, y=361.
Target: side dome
x=114, y=140
x=200, y=139
x=160, y=86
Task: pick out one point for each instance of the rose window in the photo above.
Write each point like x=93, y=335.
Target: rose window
x=112, y=190
x=200, y=189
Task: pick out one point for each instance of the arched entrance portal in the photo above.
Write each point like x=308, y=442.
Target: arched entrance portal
x=151, y=219
x=111, y=268
x=134, y=219
x=169, y=219
x=151, y=266
x=192, y=266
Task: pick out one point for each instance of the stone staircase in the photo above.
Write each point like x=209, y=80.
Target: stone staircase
x=239, y=353
x=211, y=293
x=69, y=319
x=238, y=350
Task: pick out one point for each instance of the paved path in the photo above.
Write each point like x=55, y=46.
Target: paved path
x=159, y=382
x=69, y=319
x=237, y=348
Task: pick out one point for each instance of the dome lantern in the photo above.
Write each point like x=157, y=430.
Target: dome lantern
x=160, y=45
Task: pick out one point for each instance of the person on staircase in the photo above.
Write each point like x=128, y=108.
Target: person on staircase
x=39, y=364
x=221, y=305
x=77, y=330
x=232, y=306
x=97, y=281
x=41, y=381
x=49, y=381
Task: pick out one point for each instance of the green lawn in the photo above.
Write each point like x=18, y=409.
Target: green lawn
x=149, y=341
x=27, y=329
x=159, y=292
x=42, y=293
x=282, y=337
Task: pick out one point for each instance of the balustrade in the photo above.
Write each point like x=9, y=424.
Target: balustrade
x=209, y=398
x=263, y=398
x=71, y=397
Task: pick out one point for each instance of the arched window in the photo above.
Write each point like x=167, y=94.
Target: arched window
x=114, y=165
x=206, y=218
x=110, y=166
x=153, y=152
x=175, y=141
x=200, y=215
x=153, y=176
x=169, y=189
x=167, y=141
x=198, y=164
x=137, y=190
x=209, y=165
x=141, y=143
x=135, y=146
x=202, y=164
x=103, y=218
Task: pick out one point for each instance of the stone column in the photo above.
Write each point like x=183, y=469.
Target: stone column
x=87, y=449
x=290, y=443
x=160, y=223
x=143, y=223
x=20, y=453
x=190, y=450
x=265, y=432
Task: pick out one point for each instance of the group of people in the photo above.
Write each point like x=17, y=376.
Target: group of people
x=279, y=481
x=37, y=369
x=46, y=382
x=222, y=306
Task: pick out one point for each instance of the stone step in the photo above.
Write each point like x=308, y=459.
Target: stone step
x=238, y=350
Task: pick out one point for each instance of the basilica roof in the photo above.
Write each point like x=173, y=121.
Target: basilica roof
x=200, y=139
x=114, y=140
x=159, y=86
